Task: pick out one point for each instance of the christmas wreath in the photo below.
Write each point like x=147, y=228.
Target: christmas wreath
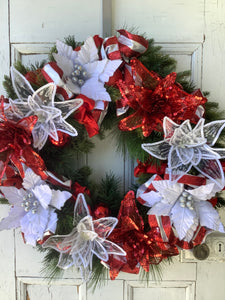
x=53, y=109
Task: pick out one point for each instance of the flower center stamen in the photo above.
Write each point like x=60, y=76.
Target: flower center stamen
x=186, y=200
x=79, y=75
x=85, y=234
x=30, y=202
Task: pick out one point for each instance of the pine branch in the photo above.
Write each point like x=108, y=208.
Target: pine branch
x=7, y=84
x=155, y=60
x=70, y=41
x=4, y=201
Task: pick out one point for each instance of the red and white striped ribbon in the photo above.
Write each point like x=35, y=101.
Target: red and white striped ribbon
x=53, y=73
x=131, y=44
x=63, y=182
x=110, y=48
x=128, y=44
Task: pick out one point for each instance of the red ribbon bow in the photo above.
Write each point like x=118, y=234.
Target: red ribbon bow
x=15, y=145
x=142, y=247
x=85, y=115
x=149, y=167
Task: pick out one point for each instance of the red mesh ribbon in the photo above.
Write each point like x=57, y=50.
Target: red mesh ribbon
x=188, y=179
x=77, y=189
x=149, y=168
x=100, y=211
x=10, y=177
x=163, y=224
x=85, y=116
x=36, y=77
x=142, y=247
x=63, y=139
x=153, y=98
x=15, y=145
x=46, y=235
x=119, y=264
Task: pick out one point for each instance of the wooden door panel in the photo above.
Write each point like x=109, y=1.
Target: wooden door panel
x=165, y=21
x=188, y=57
x=38, y=289
x=170, y=290
x=7, y=261
x=104, y=158
x=30, y=53
x=213, y=54
x=44, y=21
x=4, y=42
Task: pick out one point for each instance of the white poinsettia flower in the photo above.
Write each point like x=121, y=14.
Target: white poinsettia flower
x=187, y=208
x=185, y=148
x=33, y=207
x=83, y=72
x=86, y=239
x=51, y=115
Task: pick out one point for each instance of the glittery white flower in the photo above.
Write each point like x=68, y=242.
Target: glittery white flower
x=33, y=208
x=83, y=72
x=185, y=147
x=87, y=238
x=51, y=114
x=187, y=208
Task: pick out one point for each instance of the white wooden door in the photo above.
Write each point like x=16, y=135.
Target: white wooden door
x=193, y=32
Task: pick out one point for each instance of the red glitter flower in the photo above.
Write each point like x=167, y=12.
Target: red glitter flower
x=154, y=98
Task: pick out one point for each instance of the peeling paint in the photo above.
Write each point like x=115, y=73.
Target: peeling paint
x=27, y=296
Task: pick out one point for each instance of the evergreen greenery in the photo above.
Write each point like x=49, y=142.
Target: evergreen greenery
x=68, y=157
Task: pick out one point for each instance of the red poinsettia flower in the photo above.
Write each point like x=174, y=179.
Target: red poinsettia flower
x=153, y=98
x=15, y=145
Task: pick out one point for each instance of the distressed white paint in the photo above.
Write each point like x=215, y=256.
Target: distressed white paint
x=179, y=27
x=213, y=51
x=4, y=41
x=30, y=53
x=106, y=18
x=188, y=57
x=110, y=290
x=46, y=21
x=37, y=288
x=182, y=290
x=210, y=281
x=7, y=253
x=7, y=261
x=165, y=21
